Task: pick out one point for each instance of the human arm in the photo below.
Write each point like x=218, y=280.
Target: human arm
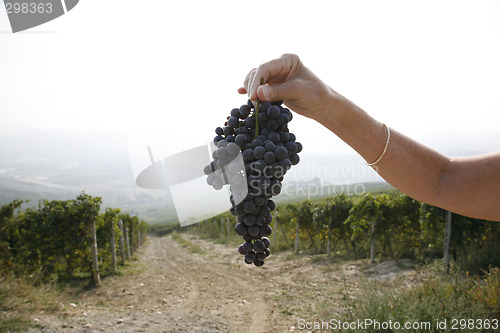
x=469, y=186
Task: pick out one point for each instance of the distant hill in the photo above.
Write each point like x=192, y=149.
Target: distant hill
x=58, y=165
x=55, y=165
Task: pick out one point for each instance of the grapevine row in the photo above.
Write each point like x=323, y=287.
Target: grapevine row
x=381, y=227
x=57, y=238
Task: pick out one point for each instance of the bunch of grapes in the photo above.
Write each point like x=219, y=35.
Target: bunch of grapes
x=254, y=151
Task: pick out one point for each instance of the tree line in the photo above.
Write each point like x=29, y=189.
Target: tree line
x=66, y=238
x=383, y=226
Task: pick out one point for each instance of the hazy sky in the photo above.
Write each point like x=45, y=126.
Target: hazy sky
x=430, y=69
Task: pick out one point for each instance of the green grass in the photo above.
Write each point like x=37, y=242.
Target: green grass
x=19, y=299
x=163, y=229
x=436, y=298
x=18, y=323
x=193, y=248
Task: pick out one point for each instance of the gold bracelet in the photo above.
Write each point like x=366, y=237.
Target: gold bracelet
x=385, y=148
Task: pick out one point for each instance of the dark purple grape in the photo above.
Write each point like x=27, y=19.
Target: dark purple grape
x=270, y=146
x=232, y=148
x=274, y=137
x=282, y=120
x=241, y=229
x=284, y=137
x=243, y=130
x=291, y=147
x=235, y=113
x=263, y=118
x=254, y=230
x=259, y=201
x=245, y=110
x=258, y=263
x=285, y=163
x=265, y=231
x=248, y=155
x=273, y=112
x=260, y=256
x=222, y=153
x=222, y=143
x=264, y=210
x=218, y=138
x=259, y=246
x=266, y=242
x=260, y=220
x=264, y=106
x=273, y=125
x=259, y=165
x=247, y=246
x=249, y=122
x=241, y=140
x=270, y=157
x=249, y=207
x=233, y=122
x=269, y=150
x=280, y=152
x=259, y=152
x=249, y=220
x=294, y=159
x=228, y=130
x=247, y=237
x=250, y=256
x=264, y=182
x=276, y=187
x=271, y=204
x=239, y=210
x=299, y=147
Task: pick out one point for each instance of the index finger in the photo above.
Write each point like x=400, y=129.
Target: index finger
x=275, y=71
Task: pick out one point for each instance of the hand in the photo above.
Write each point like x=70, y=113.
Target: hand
x=287, y=79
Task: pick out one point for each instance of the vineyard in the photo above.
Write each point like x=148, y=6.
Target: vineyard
x=64, y=239
x=381, y=227
x=321, y=266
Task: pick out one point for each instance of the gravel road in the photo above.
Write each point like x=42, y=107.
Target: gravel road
x=176, y=290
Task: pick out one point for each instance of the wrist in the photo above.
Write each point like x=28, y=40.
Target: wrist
x=353, y=125
x=335, y=113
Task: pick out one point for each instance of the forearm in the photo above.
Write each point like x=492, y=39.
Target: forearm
x=407, y=165
x=468, y=186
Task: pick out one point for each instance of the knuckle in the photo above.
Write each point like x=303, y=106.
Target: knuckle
x=293, y=58
x=289, y=56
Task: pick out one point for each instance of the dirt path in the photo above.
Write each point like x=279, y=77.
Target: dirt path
x=180, y=291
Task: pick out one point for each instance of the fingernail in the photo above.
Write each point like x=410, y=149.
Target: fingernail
x=265, y=93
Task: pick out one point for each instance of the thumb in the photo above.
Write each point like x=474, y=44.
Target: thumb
x=271, y=93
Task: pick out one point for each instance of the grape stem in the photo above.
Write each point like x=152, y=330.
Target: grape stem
x=257, y=106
